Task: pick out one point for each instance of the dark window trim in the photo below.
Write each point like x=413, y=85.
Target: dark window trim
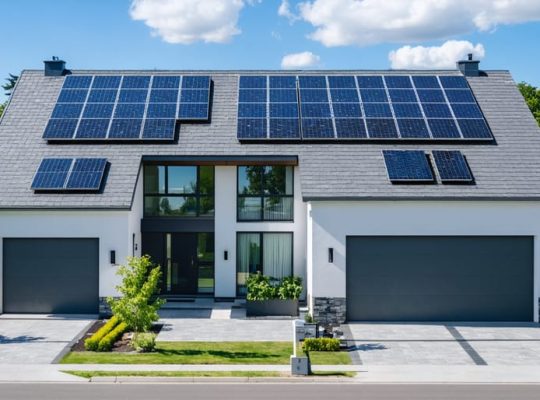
x=197, y=193
x=262, y=196
x=261, y=241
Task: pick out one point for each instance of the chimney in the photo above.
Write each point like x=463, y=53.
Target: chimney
x=54, y=67
x=469, y=67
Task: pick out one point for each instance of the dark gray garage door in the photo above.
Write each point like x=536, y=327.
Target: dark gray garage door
x=440, y=278
x=51, y=276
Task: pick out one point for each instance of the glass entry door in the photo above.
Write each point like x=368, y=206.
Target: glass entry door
x=189, y=264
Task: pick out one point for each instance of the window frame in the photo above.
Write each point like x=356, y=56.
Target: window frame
x=263, y=196
x=261, y=241
x=197, y=194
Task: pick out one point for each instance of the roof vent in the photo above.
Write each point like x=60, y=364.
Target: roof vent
x=54, y=67
x=469, y=67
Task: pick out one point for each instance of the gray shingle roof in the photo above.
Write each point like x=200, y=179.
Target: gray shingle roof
x=508, y=170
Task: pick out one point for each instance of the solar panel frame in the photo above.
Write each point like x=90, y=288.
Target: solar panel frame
x=452, y=166
x=69, y=174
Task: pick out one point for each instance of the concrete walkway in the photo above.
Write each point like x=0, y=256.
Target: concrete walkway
x=372, y=374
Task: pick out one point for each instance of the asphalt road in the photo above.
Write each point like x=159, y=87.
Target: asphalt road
x=256, y=391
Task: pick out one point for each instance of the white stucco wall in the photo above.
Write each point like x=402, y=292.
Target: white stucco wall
x=226, y=227
x=110, y=227
x=135, y=216
x=332, y=222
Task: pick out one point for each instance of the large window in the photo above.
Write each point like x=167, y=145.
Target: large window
x=265, y=193
x=269, y=253
x=178, y=191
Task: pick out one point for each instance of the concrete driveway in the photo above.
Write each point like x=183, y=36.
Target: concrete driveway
x=38, y=339
x=444, y=343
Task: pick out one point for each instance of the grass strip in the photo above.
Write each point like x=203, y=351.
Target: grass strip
x=208, y=353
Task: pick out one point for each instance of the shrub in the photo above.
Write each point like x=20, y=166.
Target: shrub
x=138, y=307
x=110, y=339
x=320, y=344
x=308, y=318
x=91, y=344
x=290, y=288
x=144, y=342
x=260, y=288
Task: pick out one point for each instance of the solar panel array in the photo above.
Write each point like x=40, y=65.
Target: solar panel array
x=397, y=107
x=64, y=174
x=414, y=166
x=128, y=107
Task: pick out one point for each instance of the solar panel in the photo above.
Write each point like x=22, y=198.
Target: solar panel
x=452, y=166
x=407, y=166
x=58, y=174
x=284, y=128
x=51, y=174
x=282, y=108
x=60, y=128
x=86, y=174
x=422, y=107
x=413, y=128
x=87, y=104
x=159, y=129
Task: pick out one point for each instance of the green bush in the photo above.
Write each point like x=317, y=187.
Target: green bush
x=320, y=344
x=261, y=287
x=308, y=318
x=290, y=288
x=106, y=344
x=138, y=307
x=144, y=342
x=91, y=344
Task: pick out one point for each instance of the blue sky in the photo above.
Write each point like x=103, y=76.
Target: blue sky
x=101, y=34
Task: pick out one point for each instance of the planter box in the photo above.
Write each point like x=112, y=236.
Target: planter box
x=262, y=308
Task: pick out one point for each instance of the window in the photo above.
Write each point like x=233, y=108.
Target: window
x=265, y=193
x=178, y=191
x=269, y=253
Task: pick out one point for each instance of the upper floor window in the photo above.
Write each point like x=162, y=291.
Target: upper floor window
x=265, y=193
x=178, y=191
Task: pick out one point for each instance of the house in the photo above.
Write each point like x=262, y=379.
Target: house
x=395, y=195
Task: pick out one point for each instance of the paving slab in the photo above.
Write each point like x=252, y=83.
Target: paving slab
x=225, y=330
x=37, y=341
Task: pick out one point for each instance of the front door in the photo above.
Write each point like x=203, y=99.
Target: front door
x=181, y=267
x=186, y=259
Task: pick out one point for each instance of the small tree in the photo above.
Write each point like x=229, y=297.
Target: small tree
x=10, y=85
x=532, y=97
x=137, y=307
x=2, y=106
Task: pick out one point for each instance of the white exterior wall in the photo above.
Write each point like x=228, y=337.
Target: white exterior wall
x=332, y=222
x=135, y=216
x=226, y=227
x=110, y=227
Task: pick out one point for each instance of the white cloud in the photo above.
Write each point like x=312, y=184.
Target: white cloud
x=444, y=56
x=189, y=21
x=284, y=10
x=367, y=22
x=305, y=59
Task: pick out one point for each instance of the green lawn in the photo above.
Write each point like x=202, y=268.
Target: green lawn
x=179, y=374
x=207, y=353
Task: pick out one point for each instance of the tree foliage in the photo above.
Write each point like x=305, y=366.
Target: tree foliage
x=11, y=81
x=532, y=97
x=138, y=307
x=2, y=106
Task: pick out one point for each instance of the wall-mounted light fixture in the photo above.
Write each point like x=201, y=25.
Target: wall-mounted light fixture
x=330, y=254
x=113, y=257
x=225, y=255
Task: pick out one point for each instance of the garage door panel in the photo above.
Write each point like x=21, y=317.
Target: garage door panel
x=51, y=275
x=422, y=278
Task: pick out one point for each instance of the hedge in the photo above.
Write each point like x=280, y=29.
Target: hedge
x=320, y=344
x=108, y=341
x=92, y=343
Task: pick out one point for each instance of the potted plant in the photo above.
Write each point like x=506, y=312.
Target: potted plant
x=267, y=298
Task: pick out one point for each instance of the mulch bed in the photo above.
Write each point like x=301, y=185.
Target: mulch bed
x=121, y=346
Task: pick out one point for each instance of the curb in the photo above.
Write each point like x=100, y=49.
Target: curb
x=140, y=379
